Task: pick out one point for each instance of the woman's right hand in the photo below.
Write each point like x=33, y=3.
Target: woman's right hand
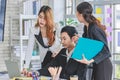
x=24, y=71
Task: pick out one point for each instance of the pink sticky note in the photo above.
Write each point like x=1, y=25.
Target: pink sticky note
x=109, y=19
x=109, y=29
x=109, y=38
x=109, y=10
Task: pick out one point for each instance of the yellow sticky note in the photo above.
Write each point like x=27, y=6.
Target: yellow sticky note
x=99, y=18
x=98, y=11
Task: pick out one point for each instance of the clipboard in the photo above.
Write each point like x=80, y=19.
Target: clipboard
x=87, y=47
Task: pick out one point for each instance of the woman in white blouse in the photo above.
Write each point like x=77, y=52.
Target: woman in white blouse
x=46, y=34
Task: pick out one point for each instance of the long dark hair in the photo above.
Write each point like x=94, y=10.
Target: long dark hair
x=86, y=10
x=49, y=23
x=70, y=30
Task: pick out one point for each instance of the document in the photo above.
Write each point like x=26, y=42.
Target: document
x=87, y=47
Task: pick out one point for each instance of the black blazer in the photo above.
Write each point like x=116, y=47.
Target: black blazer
x=94, y=32
x=72, y=67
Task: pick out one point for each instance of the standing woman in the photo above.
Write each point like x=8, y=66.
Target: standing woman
x=44, y=33
x=102, y=66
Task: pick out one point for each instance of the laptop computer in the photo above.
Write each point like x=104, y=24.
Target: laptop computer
x=13, y=69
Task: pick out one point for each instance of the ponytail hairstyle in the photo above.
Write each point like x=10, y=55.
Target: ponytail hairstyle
x=70, y=30
x=86, y=10
x=49, y=23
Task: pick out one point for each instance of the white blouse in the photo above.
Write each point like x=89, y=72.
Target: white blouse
x=55, y=48
x=69, y=54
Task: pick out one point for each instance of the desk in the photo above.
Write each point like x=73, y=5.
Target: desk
x=22, y=78
x=30, y=78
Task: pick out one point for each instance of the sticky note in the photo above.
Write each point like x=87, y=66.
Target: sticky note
x=109, y=29
x=98, y=11
x=109, y=10
x=109, y=19
x=109, y=38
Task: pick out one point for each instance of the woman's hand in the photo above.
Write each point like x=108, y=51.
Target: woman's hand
x=29, y=74
x=54, y=54
x=26, y=73
x=85, y=61
x=76, y=37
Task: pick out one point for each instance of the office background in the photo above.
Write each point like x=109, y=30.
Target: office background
x=107, y=11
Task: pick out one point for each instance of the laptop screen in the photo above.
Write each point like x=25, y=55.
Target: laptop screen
x=13, y=69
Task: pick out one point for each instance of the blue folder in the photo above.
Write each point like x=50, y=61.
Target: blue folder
x=87, y=47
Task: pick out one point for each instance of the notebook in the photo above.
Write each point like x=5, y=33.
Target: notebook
x=87, y=47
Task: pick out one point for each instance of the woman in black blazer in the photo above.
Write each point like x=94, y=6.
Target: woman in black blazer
x=69, y=65
x=102, y=67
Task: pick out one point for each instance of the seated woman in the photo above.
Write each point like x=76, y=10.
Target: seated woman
x=69, y=66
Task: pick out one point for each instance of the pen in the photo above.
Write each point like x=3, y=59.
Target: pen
x=34, y=76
